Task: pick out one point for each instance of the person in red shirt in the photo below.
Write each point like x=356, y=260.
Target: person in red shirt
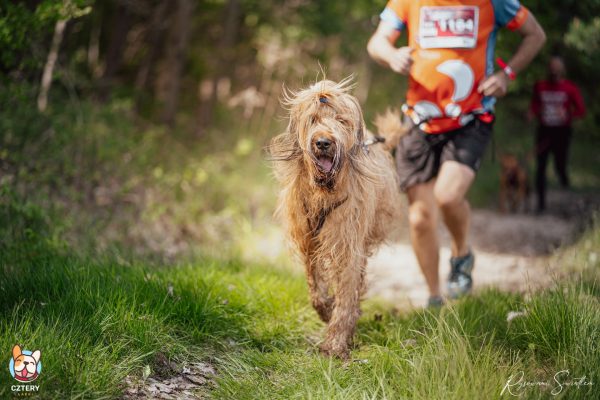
x=555, y=103
x=450, y=100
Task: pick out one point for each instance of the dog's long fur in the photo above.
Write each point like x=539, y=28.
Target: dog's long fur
x=337, y=205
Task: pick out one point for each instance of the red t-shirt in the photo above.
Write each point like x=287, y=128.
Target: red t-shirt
x=556, y=103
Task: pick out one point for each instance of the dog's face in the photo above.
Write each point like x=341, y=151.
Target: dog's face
x=328, y=124
x=509, y=162
x=25, y=365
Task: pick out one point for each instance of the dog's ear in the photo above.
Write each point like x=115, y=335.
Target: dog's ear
x=36, y=356
x=16, y=351
x=292, y=128
x=284, y=147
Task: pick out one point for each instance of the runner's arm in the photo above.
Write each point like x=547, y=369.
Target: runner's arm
x=533, y=40
x=381, y=48
x=577, y=102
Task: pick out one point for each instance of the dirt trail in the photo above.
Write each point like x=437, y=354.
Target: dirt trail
x=511, y=251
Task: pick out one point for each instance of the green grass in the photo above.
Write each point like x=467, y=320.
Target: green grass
x=97, y=320
x=466, y=352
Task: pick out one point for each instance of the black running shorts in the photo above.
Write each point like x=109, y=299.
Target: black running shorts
x=419, y=154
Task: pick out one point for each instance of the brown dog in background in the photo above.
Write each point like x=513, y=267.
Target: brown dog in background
x=339, y=198
x=514, y=184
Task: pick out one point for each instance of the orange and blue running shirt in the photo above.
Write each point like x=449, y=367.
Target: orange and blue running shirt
x=454, y=49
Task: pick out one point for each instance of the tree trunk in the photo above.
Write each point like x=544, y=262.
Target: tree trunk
x=179, y=39
x=154, y=35
x=114, y=54
x=93, y=53
x=59, y=30
x=224, y=52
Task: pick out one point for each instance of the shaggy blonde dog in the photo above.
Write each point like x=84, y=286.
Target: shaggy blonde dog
x=339, y=198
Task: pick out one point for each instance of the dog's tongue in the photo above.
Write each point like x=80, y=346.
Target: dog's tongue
x=24, y=373
x=325, y=163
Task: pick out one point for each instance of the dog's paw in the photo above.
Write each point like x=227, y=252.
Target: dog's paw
x=332, y=350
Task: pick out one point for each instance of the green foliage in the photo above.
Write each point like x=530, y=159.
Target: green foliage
x=585, y=37
x=112, y=180
x=16, y=25
x=22, y=27
x=20, y=222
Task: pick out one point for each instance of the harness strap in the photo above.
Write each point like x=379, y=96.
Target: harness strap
x=418, y=119
x=323, y=214
x=373, y=140
x=369, y=142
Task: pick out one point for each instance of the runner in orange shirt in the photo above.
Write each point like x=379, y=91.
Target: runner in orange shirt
x=450, y=100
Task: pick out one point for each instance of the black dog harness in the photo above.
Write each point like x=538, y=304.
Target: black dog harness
x=316, y=226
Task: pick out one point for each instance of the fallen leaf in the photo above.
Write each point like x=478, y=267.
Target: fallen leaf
x=147, y=372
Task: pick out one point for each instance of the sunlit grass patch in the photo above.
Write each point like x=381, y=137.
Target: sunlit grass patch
x=98, y=319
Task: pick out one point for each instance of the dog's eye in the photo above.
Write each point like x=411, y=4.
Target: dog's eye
x=342, y=121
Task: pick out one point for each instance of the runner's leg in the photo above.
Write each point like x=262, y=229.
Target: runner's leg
x=543, y=150
x=453, y=182
x=423, y=218
x=560, y=152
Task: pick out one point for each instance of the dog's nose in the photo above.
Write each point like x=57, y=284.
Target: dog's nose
x=323, y=143
x=26, y=362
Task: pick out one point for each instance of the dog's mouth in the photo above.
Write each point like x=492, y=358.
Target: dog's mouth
x=325, y=163
x=326, y=160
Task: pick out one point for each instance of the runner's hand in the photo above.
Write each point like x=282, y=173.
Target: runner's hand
x=494, y=85
x=401, y=60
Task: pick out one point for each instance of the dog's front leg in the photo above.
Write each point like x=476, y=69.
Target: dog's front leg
x=346, y=309
x=502, y=199
x=315, y=274
x=318, y=287
x=521, y=197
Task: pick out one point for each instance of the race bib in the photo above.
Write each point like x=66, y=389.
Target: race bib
x=448, y=27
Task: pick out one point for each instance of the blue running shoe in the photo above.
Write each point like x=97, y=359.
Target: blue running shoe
x=460, y=281
x=435, y=302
